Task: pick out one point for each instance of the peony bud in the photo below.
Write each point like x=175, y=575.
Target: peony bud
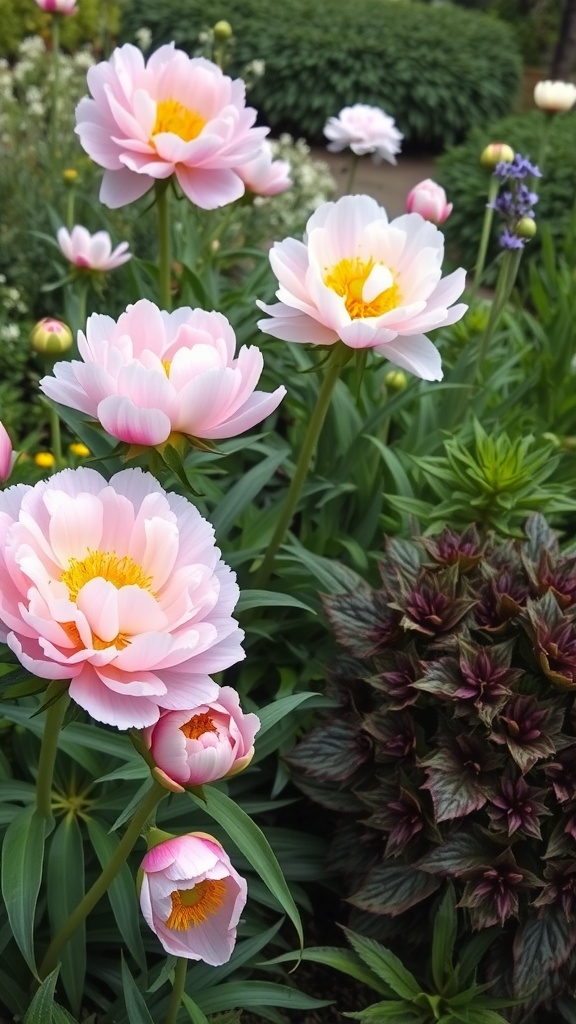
x=57, y=6
x=496, y=153
x=70, y=176
x=222, y=31
x=555, y=97
x=7, y=455
x=526, y=227
x=50, y=337
x=429, y=200
x=396, y=380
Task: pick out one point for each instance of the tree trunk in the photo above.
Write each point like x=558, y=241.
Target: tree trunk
x=565, y=53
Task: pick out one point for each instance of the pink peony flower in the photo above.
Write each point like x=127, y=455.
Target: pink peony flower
x=264, y=175
x=57, y=6
x=364, y=129
x=153, y=374
x=7, y=455
x=91, y=252
x=192, y=897
x=429, y=200
x=206, y=743
x=172, y=115
x=118, y=587
x=366, y=281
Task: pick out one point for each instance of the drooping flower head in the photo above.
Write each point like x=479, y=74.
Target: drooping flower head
x=91, y=252
x=152, y=374
x=429, y=200
x=171, y=115
x=192, y=897
x=119, y=588
x=205, y=743
x=264, y=175
x=57, y=6
x=364, y=129
x=369, y=282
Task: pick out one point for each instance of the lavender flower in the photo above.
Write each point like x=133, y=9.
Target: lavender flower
x=508, y=240
x=519, y=168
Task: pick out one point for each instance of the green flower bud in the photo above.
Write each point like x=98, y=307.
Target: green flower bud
x=495, y=153
x=50, y=337
x=396, y=380
x=526, y=228
x=222, y=31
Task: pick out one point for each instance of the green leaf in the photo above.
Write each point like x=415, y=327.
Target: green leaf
x=65, y=888
x=386, y=965
x=194, y=1011
x=136, y=1008
x=278, y=710
x=244, y=491
x=122, y=892
x=22, y=858
x=251, y=842
x=251, y=994
x=269, y=599
x=343, y=960
x=43, y=1009
x=395, y=1010
x=443, y=938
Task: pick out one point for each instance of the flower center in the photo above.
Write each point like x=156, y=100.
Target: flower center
x=197, y=726
x=192, y=906
x=367, y=287
x=173, y=116
x=122, y=572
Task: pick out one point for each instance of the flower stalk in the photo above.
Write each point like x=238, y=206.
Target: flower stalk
x=485, y=236
x=337, y=360
x=55, y=83
x=141, y=815
x=164, y=246
x=52, y=724
x=178, y=987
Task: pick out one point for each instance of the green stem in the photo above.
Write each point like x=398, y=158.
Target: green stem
x=70, y=202
x=485, y=236
x=55, y=83
x=52, y=725
x=164, y=256
x=177, y=990
x=55, y=441
x=351, y=174
x=339, y=357
x=544, y=140
x=145, y=808
x=504, y=286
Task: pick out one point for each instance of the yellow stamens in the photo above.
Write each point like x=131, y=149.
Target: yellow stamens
x=197, y=726
x=173, y=116
x=122, y=572
x=192, y=906
x=166, y=363
x=348, y=278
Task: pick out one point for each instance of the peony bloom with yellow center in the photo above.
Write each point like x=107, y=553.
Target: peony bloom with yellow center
x=205, y=743
x=118, y=587
x=366, y=281
x=192, y=897
x=169, y=115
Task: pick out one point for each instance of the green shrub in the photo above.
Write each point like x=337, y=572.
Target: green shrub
x=439, y=71
x=466, y=182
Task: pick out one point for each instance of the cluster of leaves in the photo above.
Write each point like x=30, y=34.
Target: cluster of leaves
x=452, y=755
x=466, y=182
x=438, y=71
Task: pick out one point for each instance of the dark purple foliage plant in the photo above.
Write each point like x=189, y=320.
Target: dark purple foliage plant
x=450, y=757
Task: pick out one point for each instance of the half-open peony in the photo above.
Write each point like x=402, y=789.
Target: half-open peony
x=205, y=743
x=170, y=115
x=119, y=588
x=57, y=6
x=7, y=454
x=555, y=97
x=364, y=129
x=429, y=200
x=154, y=374
x=264, y=175
x=91, y=252
x=192, y=897
x=369, y=282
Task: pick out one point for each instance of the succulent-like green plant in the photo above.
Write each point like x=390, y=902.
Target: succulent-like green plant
x=451, y=757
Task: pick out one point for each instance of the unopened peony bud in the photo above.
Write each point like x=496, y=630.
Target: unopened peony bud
x=70, y=176
x=7, y=455
x=222, y=31
x=526, y=228
x=429, y=200
x=555, y=97
x=396, y=380
x=496, y=153
x=49, y=337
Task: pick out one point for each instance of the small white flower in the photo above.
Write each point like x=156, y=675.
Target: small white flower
x=364, y=129
x=143, y=37
x=555, y=97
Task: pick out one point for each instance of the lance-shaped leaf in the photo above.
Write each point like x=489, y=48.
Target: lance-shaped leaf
x=543, y=942
x=334, y=751
x=393, y=888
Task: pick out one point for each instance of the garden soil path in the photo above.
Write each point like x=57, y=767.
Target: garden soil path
x=388, y=183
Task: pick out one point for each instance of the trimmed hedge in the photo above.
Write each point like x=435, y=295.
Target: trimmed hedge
x=439, y=71
x=466, y=182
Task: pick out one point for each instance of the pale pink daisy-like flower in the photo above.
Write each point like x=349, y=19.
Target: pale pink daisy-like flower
x=364, y=129
x=208, y=742
x=57, y=6
x=429, y=200
x=170, y=115
x=368, y=282
x=192, y=897
x=117, y=586
x=91, y=252
x=264, y=175
x=7, y=455
x=153, y=374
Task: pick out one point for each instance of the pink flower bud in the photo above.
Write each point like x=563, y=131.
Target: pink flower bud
x=205, y=743
x=7, y=455
x=192, y=897
x=57, y=6
x=496, y=153
x=49, y=336
x=429, y=200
